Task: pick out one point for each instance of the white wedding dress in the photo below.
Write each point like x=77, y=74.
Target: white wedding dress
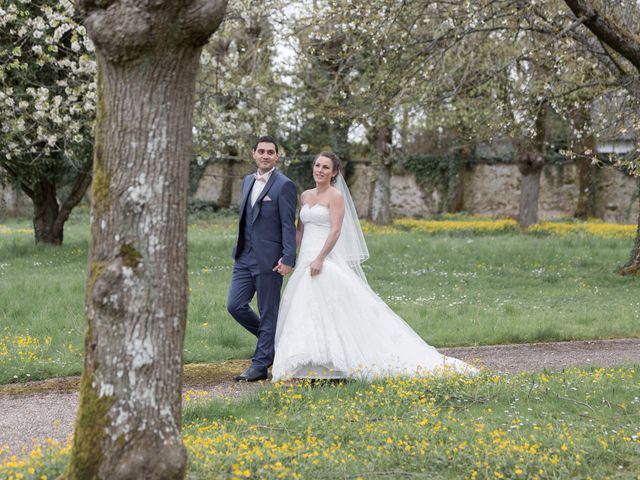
x=333, y=325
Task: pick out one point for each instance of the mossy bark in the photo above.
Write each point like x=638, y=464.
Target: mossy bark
x=128, y=423
x=88, y=445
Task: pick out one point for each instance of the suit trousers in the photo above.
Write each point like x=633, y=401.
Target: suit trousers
x=246, y=281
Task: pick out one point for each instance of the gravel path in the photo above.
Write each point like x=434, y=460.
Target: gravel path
x=28, y=420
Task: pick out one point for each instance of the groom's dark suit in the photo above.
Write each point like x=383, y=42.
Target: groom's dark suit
x=266, y=234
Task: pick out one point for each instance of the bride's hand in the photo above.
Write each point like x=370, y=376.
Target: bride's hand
x=316, y=266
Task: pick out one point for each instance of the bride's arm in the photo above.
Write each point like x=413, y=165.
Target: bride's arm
x=299, y=232
x=300, y=226
x=336, y=213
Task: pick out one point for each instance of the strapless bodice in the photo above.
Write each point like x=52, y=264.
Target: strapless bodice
x=317, y=214
x=317, y=225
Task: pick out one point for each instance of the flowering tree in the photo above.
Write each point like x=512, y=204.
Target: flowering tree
x=486, y=69
x=237, y=96
x=346, y=55
x=47, y=104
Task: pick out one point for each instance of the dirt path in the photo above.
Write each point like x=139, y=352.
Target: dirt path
x=29, y=419
x=553, y=356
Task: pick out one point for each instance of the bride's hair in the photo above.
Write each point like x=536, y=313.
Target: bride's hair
x=335, y=161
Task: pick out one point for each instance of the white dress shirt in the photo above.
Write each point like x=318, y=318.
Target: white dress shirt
x=259, y=184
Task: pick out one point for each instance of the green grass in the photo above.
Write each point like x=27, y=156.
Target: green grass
x=461, y=289
x=571, y=424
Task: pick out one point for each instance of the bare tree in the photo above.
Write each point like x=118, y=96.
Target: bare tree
x=129, y=415
x=616, y=39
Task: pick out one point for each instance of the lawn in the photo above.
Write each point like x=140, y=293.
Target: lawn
x=572, y=424
x=456, y=283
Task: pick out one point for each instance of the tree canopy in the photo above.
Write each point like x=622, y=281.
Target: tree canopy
x=47, y=105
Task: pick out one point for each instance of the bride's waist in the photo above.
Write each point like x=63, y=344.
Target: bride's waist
x=310, y=248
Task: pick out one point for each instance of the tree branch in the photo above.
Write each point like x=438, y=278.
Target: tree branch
x=613, y=35
x=201, y=19
x=83, y=180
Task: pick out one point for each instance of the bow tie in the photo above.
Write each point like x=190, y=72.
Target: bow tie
x=260, y=178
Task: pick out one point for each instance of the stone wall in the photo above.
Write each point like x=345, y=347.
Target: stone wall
x=494, y=189
x=489, y=189
x=211, y=185
x=616, y=197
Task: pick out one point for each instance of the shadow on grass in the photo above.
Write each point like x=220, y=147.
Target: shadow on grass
x=194, y=375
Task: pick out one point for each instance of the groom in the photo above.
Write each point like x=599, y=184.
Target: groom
x=264, y=253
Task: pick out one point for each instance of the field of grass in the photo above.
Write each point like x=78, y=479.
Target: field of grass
x=548, y=425
x=476, y=284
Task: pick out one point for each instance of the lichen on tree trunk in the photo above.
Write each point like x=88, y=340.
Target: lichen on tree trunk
x=136, y=298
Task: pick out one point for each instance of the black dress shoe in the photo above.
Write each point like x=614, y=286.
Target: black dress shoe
x=251, y=374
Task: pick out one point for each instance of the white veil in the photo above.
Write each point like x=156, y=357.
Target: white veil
x=351, y=246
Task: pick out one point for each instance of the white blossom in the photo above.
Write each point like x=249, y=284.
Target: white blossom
x=49, y=106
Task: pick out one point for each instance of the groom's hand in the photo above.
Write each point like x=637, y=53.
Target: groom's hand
x=282, y=269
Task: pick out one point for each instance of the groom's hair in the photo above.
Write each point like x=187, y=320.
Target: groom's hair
x=335, y=161
x=265, y=139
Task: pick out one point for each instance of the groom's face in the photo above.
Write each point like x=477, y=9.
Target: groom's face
x=265, y=156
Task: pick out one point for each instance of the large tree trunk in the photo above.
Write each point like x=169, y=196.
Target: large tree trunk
x=226, y=191
x=228, y=178
x=530, y=165
x=45, y=212
x=136, y=298
x=380, y=211
x=632, y=267
x=455, y=187
x=48, y=216
x=585, y=148
x=586, y=206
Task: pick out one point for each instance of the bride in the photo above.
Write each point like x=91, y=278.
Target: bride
x=331, y=324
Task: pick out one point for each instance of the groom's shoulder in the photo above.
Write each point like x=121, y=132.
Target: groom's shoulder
x=283, y=178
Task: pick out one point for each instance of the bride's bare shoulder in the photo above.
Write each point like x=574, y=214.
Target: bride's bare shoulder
x=305, y=194
x=335, y=194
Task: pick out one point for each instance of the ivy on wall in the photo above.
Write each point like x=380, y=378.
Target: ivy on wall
x=437, y=172
x=443, y=172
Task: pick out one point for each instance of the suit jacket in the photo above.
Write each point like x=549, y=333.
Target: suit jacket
x=273, y=231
